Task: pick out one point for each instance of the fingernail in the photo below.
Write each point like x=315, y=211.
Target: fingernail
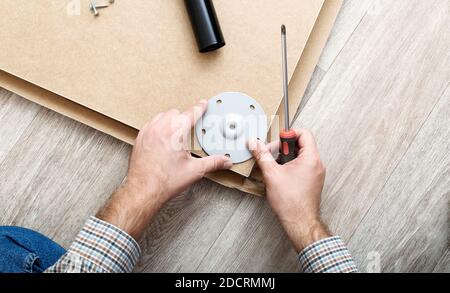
x=203, y=101
x=228, y=164
x=252, y=144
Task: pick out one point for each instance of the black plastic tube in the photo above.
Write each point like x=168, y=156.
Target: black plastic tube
x=205, y=25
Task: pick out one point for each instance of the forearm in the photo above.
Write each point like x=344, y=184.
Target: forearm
x=304, y=233
x=130, y=210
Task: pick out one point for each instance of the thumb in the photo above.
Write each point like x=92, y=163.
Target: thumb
x=262, y=155
x=214, y=163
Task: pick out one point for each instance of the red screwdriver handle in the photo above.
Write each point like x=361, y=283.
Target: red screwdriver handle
x=288, y=147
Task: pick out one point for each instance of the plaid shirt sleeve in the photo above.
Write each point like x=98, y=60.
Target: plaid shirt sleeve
x=328, y=255
x=99, y=248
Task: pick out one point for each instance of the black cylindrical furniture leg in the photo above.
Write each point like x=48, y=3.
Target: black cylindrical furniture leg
x=205, y=25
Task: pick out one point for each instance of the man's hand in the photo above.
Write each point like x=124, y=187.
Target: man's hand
x=294, y=190
x=160, y=168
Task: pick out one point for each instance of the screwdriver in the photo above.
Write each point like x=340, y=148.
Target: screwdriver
x=288, y=137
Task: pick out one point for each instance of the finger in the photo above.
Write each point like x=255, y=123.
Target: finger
x=274, y=147
x=262, y=155
x=171, y=113
x=150, y=123
x=306, y=141
x=213, y=163
x=193, y=114
x=172, y=121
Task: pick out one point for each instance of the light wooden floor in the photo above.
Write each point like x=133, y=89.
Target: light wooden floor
x=379, y=104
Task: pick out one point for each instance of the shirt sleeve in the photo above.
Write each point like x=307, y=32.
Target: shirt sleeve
x=99, y=248
x=328, y=255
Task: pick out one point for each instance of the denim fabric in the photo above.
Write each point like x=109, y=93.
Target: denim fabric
x=26, y=251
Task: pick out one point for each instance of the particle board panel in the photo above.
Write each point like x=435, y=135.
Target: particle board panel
x=298, y=85
x=139, y=58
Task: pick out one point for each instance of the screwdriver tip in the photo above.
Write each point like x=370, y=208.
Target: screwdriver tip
x=283, y=29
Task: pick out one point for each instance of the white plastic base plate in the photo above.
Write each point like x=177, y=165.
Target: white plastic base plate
x=232, y=119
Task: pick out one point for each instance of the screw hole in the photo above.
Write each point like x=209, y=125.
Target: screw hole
x=203, y=131
x=232, y=126
x=219, y=102
x=252, y=107
x=228, y=155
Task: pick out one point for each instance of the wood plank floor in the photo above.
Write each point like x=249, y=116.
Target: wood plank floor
x=379, y=104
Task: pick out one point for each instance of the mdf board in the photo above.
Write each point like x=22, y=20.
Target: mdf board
x=298, y=84
x=139, y=58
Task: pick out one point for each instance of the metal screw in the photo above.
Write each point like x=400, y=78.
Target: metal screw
x=94, y=7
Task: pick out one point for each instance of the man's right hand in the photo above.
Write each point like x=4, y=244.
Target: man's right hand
x=294, y=190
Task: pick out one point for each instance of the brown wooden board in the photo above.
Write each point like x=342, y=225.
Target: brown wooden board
x=139, y=58
x=299, y=82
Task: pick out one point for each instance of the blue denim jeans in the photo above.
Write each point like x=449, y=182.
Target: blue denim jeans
x=26, y=251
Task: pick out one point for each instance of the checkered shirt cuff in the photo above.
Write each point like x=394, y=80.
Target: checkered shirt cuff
x=106, y=246
x=329, y=255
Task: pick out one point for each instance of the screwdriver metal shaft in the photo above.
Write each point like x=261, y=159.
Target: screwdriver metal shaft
x=288, y=137
x=285, y=78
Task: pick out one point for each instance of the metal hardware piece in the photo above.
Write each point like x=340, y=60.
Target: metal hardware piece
x=94, y=6
x=232, y=119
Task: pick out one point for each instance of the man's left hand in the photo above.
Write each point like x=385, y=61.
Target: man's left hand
x=160, y=168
